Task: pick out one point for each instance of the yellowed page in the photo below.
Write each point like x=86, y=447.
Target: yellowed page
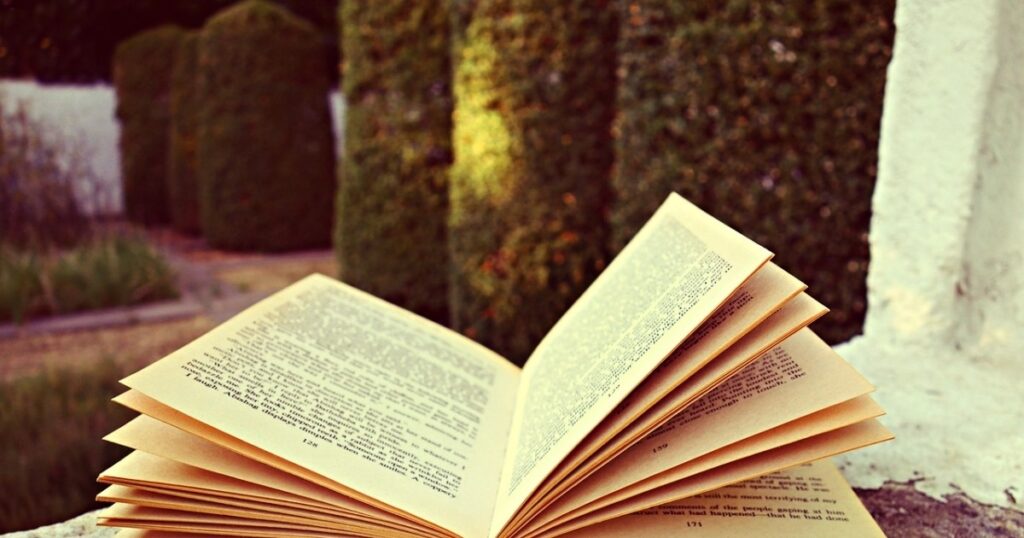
x=761, y=296
x=820, y=446
x=153, y=437
x=356, y=390
x=678, y=270
x=141, y=403
x=581, y=500
x=169, y=501
x=807, y=501
x=130, y=515
x=793, y=316
x=799, y=377
x=142, y=468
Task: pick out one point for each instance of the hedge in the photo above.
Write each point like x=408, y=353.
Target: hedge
x=265, y=161
x=142, y=78
x=534, y=91
x=391, y=233
x=766, y=114
x=182, y=188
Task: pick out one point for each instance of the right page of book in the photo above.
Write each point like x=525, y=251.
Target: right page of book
x=680, y=267
x=809, y=500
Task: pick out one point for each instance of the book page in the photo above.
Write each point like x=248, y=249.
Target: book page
x=729, y=471
x=809, y=500
x=798, y=378
x=356, y=390
x=675, y=273
x=759, y=298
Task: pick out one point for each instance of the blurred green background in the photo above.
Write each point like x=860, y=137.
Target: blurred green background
x=493, y=157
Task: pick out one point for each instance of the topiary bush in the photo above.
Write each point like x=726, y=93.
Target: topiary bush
x=265, y=156
x=766, y=114
x=142, y=79
x=393, y=193
x=182, y=188
x=534, y=89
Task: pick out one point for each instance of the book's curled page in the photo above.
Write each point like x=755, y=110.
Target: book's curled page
x=389, y=408
x=681, y=266
x=808, y=500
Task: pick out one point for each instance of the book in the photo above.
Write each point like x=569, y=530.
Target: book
x=682, y=393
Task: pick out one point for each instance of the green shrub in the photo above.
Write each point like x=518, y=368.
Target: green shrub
x=51, y=424
x=393, y=191
x=182, y=189
x=142, y=78
x=534, y=92
x=265, y=159
x=101, y=273
x=765, y=113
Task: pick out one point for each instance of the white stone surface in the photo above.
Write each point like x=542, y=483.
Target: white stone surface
x=83, y=525
x=945, y=323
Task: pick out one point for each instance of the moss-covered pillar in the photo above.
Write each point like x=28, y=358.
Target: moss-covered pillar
x=142, y=79
x=393, y=196
x=534, y=90
x=265, y=158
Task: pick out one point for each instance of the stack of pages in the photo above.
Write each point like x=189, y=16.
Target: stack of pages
x=682, y=393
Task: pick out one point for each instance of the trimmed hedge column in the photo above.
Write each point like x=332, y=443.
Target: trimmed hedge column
x=766, y=114
x=265, y=160
x=393, y=194
x=534, y=94
x=142, y=79
x=182, y=188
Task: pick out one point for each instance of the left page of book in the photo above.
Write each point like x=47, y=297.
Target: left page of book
x=359, y=391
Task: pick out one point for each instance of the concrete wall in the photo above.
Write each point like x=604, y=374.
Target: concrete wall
x=84, y=116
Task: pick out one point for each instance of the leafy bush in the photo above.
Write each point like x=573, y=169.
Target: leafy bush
x=51, y=424
x=393, y=193
x=142, y=78
x=534, y=89
x=39, y=171
x=265, y=160
x=182, y=189
x=101, y=273
x=765, y=113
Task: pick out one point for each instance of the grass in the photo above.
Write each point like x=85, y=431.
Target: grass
x=100, y=273
x=51, y=425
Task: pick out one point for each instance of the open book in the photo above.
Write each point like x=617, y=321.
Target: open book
x=682, y=391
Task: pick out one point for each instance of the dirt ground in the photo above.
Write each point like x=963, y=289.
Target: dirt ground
x=904, y=512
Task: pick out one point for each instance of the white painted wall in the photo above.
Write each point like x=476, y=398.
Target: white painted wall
x=945, y=322
x=84, y=115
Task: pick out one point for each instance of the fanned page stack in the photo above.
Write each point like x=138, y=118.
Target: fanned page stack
x=682, y=394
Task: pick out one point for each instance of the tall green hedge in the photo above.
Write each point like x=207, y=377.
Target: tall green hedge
x=265, y=160
x=142, y=78
x=534, y=92
x=393, y=193
x=765, y=113
x=182, y=188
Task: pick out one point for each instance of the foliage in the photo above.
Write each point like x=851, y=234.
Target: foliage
x=51, y=424
x=265, y=159
x=142, y=77
x=38, y=175
x=534, y=89
x=101, y=273
x=765, y=113
x=182, y=188
x=393, y=193
x=73, y=41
